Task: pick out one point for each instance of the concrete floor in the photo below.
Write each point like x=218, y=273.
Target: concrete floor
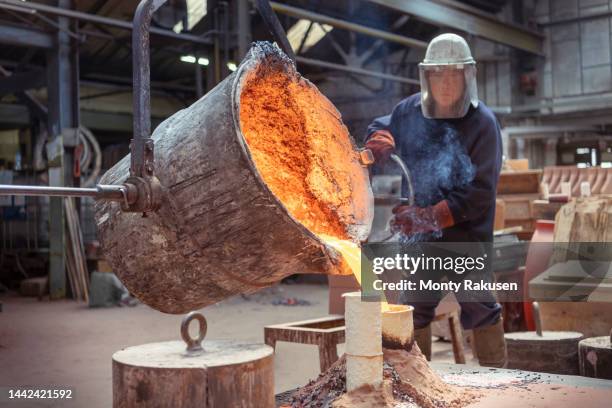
x=66, y=344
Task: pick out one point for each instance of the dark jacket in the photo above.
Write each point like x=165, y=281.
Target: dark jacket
x=454, y=159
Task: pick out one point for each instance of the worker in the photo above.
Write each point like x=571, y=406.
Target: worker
x=451, y=142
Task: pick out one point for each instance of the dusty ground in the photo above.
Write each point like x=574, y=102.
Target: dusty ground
x=64, y=343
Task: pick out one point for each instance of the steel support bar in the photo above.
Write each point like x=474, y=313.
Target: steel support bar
x=347, y=25
x=63, y=115
x=461, y=18
x=107, y=192
x=25, y=37
x=274, y=26
x=244, y=28
x=141, y=77
x=354, y=70
x=18, y=115
x=92, y=18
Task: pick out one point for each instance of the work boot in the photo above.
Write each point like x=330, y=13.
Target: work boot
x=491, y=345
x=423, y=339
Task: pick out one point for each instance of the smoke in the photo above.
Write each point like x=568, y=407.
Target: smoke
x=438, y=163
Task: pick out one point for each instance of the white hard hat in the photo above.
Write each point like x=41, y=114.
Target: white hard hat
x=448, y=49
x=448, y=54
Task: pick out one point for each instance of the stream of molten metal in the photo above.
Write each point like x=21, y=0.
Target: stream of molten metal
x=351, y=252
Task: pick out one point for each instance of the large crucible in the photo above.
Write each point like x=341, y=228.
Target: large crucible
x=255, y=176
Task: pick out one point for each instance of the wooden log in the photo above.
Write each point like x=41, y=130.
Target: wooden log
x=553, y=352
x=220, y=230
x=226, y=374
x=596, y=357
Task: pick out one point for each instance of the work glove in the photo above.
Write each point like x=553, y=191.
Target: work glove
x=410, y=219
x=382, y=145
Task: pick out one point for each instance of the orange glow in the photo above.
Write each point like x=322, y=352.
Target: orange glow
x=303, y=152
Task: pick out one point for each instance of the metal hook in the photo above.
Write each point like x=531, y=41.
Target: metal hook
x=194, y=346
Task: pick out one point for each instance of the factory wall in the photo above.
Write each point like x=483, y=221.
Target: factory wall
x=578, y=52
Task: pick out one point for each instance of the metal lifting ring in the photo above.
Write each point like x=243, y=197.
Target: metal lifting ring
x=194, y=346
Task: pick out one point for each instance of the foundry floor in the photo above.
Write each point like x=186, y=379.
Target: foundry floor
x=66, y=344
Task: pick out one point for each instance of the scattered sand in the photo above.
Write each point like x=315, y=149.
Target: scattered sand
x=368, y=396
x=423, y=384
x=408, y=382
x=327, y=387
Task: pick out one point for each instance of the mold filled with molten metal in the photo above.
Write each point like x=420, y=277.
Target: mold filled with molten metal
x=304, y=154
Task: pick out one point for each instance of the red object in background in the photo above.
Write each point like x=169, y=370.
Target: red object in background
x=529, y=82
x=78, y=151
x=538, y=256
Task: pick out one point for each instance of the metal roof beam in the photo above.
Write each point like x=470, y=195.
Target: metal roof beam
x=448, y=13
x=93, y=18
x=25, y=37
x=346, y=25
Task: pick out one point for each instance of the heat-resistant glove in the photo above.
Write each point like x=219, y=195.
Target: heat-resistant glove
x=382, y=145
x=411, y=219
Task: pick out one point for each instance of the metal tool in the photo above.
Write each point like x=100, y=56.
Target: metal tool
x=274, y=26
x=141, y=192
x=408, y=177
x=537, y=318
x=366, y=157
x=402, y=200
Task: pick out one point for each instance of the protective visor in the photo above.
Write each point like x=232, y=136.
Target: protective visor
x=447, y=90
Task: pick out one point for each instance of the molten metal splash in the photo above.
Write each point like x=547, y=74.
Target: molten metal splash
x=351, y=252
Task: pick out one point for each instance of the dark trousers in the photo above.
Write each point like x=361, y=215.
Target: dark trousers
x=473, y=314
x=478, y=308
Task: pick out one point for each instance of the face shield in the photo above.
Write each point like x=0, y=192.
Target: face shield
x=447, y=90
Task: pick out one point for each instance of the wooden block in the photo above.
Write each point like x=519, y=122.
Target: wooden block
x=500, y=214
x=517, y=164
x=34, y=287
x=519, y=182
x=589, y=318
x=545, y=210
x=518, y=206
x=325, y=332
x=585, y=220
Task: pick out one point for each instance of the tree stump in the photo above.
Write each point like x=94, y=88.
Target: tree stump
x=225, y=374
x=553, y=352
x=596, y=357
